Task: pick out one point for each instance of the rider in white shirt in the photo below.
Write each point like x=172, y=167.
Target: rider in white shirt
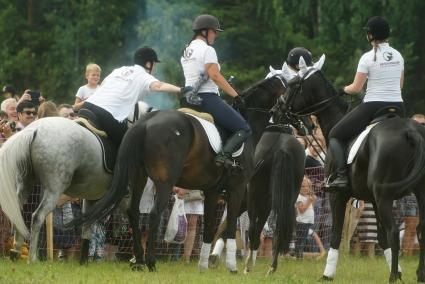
x=116, y=97
x=383, y=69
x=199, y=60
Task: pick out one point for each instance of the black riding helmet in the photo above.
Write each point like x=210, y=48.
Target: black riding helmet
x=295, y=54
x=206, y=21
x=144, y=55
x=378, y=28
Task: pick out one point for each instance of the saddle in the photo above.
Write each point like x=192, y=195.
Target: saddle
x=215, y=134
x=88, y=120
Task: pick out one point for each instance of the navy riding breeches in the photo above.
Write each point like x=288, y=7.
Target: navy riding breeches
x=224, y=115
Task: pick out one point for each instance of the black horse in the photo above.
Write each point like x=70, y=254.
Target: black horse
x=390, y=163
x=280, y=160
x=172, y=149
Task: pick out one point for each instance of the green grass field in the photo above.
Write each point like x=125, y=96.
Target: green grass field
x=350, y=270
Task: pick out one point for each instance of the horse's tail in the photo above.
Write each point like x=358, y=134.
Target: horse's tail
x=15, y=163
x=129, y=162
x=284, y=192
x=416, y=163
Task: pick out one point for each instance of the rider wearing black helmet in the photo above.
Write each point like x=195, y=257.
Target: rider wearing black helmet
x=199, y=60
x=116, y=97
x=294, y=56
x=383, y=69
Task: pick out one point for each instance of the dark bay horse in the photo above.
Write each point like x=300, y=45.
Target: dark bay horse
x=390, y=163
x=280, y=160
x=172, y=149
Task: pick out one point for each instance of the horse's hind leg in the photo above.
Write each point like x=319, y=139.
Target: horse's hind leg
x=210, y=206
x=46, y=206
x=420, y=231
x=163, y=191
x=258, y=211
x=384, y=207
x=133, y=215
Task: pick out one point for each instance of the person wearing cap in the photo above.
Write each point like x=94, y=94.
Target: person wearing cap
x=199, y=59
x=294, y=56
x=383, y=69
x=116, y=97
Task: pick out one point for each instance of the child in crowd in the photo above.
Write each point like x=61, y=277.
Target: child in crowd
x=305, y=215
x=84, y=92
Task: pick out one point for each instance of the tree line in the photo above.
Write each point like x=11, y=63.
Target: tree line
x=47, y=43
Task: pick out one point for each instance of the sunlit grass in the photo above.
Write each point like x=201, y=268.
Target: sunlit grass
x=350, y=270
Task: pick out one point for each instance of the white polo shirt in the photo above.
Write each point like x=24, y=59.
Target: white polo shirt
x=85, y=92
x=122, y=89
x=307, y=217
x=383, y=75
x=193, y=61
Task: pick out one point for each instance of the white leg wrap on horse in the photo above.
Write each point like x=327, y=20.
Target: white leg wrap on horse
x=254, y=257
x=203, y=257
x=388, y=257
x=218, y=248
x=331, y=263
x=231, y=254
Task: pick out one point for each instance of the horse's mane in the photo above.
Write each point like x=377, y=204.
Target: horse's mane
x=264, y=83
x=341, y=103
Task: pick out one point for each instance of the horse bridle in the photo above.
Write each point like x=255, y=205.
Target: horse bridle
x=309, y=110
x=263, y=110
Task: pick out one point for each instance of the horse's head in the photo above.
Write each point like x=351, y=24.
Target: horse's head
x=308, y=93
x=261, y=96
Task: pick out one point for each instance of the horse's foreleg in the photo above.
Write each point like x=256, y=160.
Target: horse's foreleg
x=338, y=202
x=210, y=205
x=385, y=216
x=420, y=231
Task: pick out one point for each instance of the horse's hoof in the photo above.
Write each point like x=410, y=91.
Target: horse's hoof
x=233, y=271
x=270, y=271
x=247, y=270
x=137, y=267
x=14, y=255
x=395, y=277
x=213, y=261
x=326, y=278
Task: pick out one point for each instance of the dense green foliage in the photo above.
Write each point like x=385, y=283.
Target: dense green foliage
x=47, y=43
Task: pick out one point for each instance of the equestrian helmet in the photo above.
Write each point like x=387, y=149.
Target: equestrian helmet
x=378, y=28
x=144, y=55
x=205, y=21
x=295, y=54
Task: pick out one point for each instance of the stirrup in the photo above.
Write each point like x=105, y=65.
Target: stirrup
x=335, y=184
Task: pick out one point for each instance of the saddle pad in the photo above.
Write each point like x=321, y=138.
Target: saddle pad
x=214, y=137
x=356, y=145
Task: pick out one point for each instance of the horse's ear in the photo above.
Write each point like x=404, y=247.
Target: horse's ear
x=287, y=72
x=272, y=72
x=318, y=65
x=302, y=65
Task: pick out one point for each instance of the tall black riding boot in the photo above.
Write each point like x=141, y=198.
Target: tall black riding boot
x=337, y=149
x=232, y=144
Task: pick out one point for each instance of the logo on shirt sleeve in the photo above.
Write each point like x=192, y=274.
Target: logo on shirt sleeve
x=188, y=53
x=388, y=55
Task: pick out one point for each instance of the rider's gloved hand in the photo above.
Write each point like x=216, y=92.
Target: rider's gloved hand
x=238, y=102
x=190, y=96
x=341, y=92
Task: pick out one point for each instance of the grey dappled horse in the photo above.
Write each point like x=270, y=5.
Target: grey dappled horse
x=63, y=157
